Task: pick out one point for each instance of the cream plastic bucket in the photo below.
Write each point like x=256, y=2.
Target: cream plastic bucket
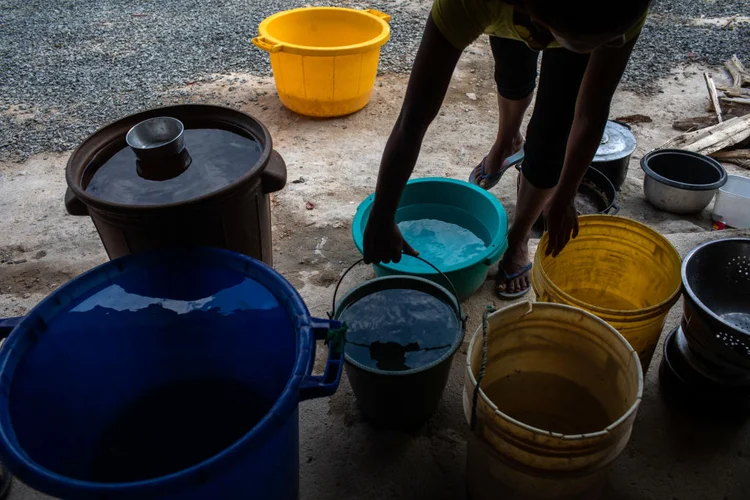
x=556, y=404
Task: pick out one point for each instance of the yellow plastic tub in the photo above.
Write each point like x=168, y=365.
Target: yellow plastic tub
x=556, y=405
x=324, y=59
x=618, y=269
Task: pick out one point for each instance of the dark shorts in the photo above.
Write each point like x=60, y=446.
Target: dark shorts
x=548, y=130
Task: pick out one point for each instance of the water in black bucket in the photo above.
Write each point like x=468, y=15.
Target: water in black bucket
x=399, y=329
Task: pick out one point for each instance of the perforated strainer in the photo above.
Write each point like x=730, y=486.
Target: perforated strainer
x=716, y=321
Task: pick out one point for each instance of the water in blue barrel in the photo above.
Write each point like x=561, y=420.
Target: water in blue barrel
x=169, y=375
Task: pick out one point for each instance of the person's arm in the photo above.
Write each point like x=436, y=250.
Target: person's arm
x=603, y=73
x=431, y=74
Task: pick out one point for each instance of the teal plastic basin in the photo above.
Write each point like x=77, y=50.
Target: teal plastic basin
x=451, y=201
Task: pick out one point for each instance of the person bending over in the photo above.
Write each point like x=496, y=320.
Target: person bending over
x=585, y=47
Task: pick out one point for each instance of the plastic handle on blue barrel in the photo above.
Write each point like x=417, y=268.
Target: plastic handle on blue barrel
x=7, y=325
x=320, y=386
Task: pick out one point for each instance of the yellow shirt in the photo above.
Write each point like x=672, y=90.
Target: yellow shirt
x=463, y=21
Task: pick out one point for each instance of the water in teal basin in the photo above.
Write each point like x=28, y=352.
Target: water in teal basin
x=399, y=329
x=442, y=243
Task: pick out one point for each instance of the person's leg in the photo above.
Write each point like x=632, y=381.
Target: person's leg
x=546, y=141
x=515, y=76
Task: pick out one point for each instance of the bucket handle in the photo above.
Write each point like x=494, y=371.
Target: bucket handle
x=74, y=205
x=613, y=209
x=626, y=125
x=263, y=44
x=380, y=15
x=273, y=177
x=483, y=366
x=496, y=254
x=7, y=325
x=321, y=386
x=453, y=290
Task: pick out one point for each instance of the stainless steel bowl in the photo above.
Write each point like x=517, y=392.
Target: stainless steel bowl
x=716, y=316
x=681, y=182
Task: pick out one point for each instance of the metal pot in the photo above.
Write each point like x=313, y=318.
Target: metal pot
x=681, y=182
x=614, y=152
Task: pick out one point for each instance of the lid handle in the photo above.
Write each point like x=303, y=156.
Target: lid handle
x=159, y=146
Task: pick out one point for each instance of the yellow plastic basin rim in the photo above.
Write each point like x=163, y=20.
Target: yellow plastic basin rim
x=271, y=45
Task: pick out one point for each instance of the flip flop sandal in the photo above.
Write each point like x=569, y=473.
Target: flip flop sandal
x=508, y=277
x=493, y=179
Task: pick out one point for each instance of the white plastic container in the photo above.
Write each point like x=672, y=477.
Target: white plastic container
x=732, y=205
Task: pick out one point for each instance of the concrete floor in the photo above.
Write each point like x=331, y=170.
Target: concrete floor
x=671, y=456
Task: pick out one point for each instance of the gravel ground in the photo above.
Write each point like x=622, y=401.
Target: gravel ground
x=70, y=66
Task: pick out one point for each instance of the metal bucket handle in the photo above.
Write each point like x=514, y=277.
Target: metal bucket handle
x=453, y=290
x=624, y=124
x=483, y=366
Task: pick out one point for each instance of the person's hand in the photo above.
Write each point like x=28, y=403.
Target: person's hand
x=383, y=241
x=562, y=223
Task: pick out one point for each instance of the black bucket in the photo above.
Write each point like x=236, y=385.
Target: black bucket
x=390, y=392
x=225, y=211
x=596, y=195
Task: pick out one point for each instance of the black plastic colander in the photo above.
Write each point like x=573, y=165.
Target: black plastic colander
x=716, y=318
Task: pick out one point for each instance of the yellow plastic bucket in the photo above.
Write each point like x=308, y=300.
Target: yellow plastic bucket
x=324, y=59
x=618, y=269
x=555, y=406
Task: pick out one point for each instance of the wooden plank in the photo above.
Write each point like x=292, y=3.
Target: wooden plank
x=740, y=157
x=736, y=100
x=734, y=73
x=741, y=68
x=690, y=137
x=713, y=96
x=734, y=91
x=694, y=123
x=712, y=145
x=714, y=138
x=739, y=76
x=637, y=118
x=734, y=154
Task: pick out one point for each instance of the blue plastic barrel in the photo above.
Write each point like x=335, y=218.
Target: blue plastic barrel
x=167, y=375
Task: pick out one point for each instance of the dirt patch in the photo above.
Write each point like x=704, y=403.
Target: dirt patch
x=307, y=252
x=31, y=277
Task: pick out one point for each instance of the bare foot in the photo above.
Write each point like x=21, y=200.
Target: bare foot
x=515, y=263
x=494, y=162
